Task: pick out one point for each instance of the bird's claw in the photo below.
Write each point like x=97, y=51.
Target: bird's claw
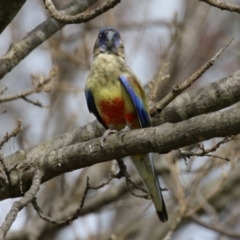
x=105, y=135
x=124, y=130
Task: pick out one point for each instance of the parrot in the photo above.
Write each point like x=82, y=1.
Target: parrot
x=116, y=98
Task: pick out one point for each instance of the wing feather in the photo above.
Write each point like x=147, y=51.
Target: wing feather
x=92, y=107
x=132, y=87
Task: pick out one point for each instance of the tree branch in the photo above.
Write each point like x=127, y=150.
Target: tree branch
x=12, y=134
x=69, y=219
x=8, y=10
x=161, y=139
x=81, y=17
x=92, y=204
x=222, y=5
x=229, y=191
x=19, y=205
x=220, y=229
x=37, y=36
x=209, y=98
x=40, y=84
x=177, y=89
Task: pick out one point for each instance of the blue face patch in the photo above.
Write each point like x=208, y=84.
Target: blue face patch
x=105, y=29
x=102, y=41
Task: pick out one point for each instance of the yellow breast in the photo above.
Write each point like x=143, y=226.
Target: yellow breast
x=107, y=90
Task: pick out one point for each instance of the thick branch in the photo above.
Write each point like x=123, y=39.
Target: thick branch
x=177, y=89
x=229, y=192
x=8, y=10
x=161, y=139
x=37, y=36
x=209, y=98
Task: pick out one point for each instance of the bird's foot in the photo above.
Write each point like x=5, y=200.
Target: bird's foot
x=105, y=135
x=124, y=130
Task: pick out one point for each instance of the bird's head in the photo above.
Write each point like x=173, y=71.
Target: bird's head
x=109, y=41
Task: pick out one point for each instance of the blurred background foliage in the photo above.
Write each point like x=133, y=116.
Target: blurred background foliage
x=165, y=42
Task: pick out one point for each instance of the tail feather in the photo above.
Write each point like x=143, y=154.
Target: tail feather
x=163, y=215
x=145, y=167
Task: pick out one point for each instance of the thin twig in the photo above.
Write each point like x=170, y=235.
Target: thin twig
x=103, y=184
x=12, y=134
x=128, y=182
x=78, y=210
x=19, y=205
x=177, y=89
x=206, y=152
x=69, y=219
x=6, y=138
x=2, y=90
x=40, y=84
x=81, y=17
x=36, y=103
x=222, y=5
x=220, y=228
x=123, y=172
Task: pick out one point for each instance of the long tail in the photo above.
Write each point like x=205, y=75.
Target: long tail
x=145, y=167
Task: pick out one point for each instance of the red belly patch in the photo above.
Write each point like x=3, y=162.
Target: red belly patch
x=113, y=112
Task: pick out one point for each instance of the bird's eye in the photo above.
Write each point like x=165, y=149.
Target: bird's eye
x=118, y=35
x=100, y=35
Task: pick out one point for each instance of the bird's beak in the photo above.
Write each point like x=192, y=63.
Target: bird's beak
x=109, y=36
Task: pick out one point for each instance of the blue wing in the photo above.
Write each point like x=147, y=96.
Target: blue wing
x=92, y=107
x=143, y=115
x=144, y=164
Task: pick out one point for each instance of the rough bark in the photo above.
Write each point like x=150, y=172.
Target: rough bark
x=8, y=10
x=161, y=139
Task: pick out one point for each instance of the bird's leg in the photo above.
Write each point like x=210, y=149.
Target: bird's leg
x=105, y=135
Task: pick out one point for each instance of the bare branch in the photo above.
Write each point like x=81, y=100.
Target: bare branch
x=12, y=134
x=19, y=205
x=69, y=219
x=220, y=228
x=177, y=89
x=222, y=5
x=36, y=103
x=97, y=202
x=79, y=209
x=161, y=139
x=8, y=11
x=40, y=84
x=123, y=172
x=37, y=36
x=205, y=152
x=81, y=17
x=209, y=98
